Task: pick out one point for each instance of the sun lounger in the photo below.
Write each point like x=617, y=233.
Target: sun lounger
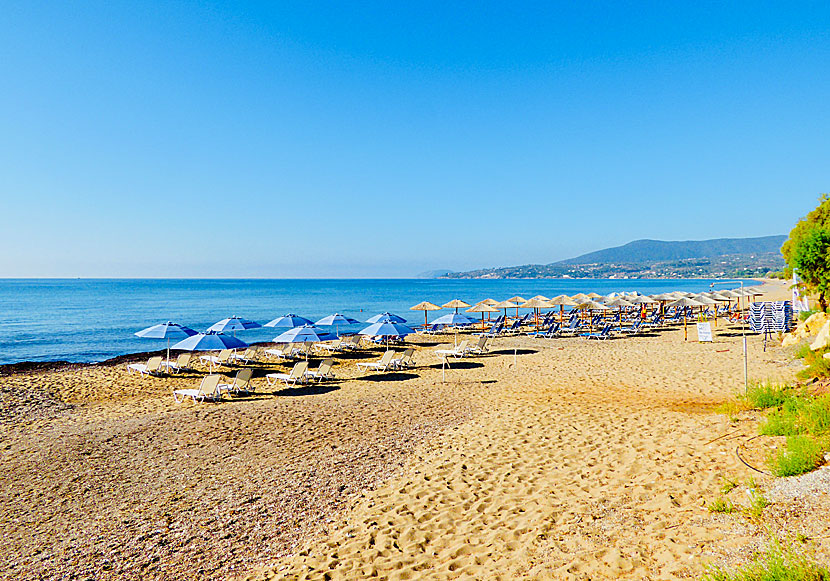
x=182, y=363
x=383, y=364
x=605, y=333
x=214, y=361
x=323, y=372
x=460, y=350
x=297, y=375
x=288, y=351
x=208, y=389
x=250, y=354
x=480, y=347
x=152, y=366
x=405, y=360
x=331, y=347
x=350, y=342
x=240, y=384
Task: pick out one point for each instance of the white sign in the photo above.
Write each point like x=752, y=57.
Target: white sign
x=704, y=332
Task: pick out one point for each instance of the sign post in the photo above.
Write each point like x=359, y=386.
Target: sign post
x=704, y=332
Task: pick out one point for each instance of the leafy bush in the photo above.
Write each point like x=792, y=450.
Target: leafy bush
x=765, y=394
x=721, y=505
x=780, y=563
x=817, y=365
x=801, y=454
x=800, y=415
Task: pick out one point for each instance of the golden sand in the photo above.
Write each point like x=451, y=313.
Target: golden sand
x=568, y=459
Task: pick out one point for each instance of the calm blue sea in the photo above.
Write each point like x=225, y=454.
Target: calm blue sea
x=94, y=319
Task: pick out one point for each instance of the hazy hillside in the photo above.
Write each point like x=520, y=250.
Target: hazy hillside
x=646, y=251
x=722, y=257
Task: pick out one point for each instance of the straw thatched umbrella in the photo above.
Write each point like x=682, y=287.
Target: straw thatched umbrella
x=581, y=297
x=535, y=304
x=455, y=304
x=685, y=302
x=425, y=306
x=506, y=305
x=620, y=303
x=490, y=302
x=592, y=306
x=482, y=308
x=562, y=301
x=540, y=298
x=518, y=300
x=594, y=296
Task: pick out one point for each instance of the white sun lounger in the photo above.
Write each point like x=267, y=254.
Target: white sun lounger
x=297, y=375
x=240, y=383
x=461, y=350
x=383, y=364
x=208, y=389
x=323, y=372
x=153, y=365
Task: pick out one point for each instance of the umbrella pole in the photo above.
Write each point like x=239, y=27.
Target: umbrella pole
x=168, y=354
x=685, y=332
x=561, y=314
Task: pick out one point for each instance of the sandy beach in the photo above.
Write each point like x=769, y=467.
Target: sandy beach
x=557, y=458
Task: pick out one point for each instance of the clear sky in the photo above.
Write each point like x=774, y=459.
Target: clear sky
x=308, y=139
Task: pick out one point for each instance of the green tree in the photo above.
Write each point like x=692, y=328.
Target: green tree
x=811, y=256
x=820, y=217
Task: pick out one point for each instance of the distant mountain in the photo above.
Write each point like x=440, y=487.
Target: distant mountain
x=647, y=251
x=722, y=257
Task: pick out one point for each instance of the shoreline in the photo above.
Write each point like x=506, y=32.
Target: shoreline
x=29, y=366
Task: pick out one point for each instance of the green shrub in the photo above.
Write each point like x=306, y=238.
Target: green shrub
x=803, y=350
x=800, y=415
x=779, y=563
x=801, y=454
x=817, y=365
x=765, y=394
x=757, y=505
x=721, y=505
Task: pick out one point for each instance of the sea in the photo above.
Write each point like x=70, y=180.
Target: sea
x=92, y=320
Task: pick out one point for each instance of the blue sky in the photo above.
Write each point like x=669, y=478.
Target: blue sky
x=378, y=139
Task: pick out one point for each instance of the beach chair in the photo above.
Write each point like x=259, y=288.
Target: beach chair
x=297, y=375
x=350, y=343
x=605, y=333
x=250, y=354
x=383, y=364
x=405, y=360
x=513, y=329
x=214, y=361
x=182, y=363
x=549, y=333
x=323, y=371
x=480, y=347
x=153, y=366
x=331, y=347
x=433, y=329
x=240, y=384
x=460, y=350
x=572, y=328
x=284, y=351
x=208, y=389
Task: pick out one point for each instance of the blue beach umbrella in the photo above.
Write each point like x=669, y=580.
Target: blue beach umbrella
x=336, y=320
x=289, y=320
x=233, y=324
x=386, y=317
x=210, y=341
x=454, y=319
x=386, y=328
x=304, y=334
x=168, y=330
